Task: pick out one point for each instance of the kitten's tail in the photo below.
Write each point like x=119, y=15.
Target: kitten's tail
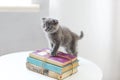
x=81, y=35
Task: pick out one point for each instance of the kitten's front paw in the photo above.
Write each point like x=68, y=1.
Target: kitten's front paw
x=53, y=53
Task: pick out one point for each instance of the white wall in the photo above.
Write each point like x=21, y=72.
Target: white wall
x=21, y=31
x=94, y=17
x=116, y=39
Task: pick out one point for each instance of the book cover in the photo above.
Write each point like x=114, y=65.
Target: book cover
x=52, y=67
x=49, y=73
x=61, y=59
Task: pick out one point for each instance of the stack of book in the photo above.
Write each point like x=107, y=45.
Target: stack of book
x=58, y=67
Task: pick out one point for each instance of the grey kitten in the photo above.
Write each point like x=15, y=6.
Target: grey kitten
x=60, y=36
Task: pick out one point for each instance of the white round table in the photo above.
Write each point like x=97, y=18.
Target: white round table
x=13, y=67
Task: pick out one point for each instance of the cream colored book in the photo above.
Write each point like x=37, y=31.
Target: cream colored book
x=49, y=73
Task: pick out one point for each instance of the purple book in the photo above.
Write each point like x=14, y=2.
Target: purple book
x=61, y=59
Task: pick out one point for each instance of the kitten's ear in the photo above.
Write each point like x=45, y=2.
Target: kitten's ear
x=55, y=21
x=43, y=19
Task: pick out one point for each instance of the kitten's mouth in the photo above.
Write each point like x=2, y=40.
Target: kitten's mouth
x=47, y=30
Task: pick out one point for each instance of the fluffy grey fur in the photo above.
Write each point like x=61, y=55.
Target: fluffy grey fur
x=60, y=36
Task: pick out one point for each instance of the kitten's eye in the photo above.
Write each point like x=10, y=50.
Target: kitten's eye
x=48, y=27
x=55, y=22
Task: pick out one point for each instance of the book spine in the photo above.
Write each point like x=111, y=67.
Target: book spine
x=49, y=73
x=40, y=70
x=45, y=65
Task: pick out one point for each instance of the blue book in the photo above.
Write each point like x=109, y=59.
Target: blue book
x=51, y=67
